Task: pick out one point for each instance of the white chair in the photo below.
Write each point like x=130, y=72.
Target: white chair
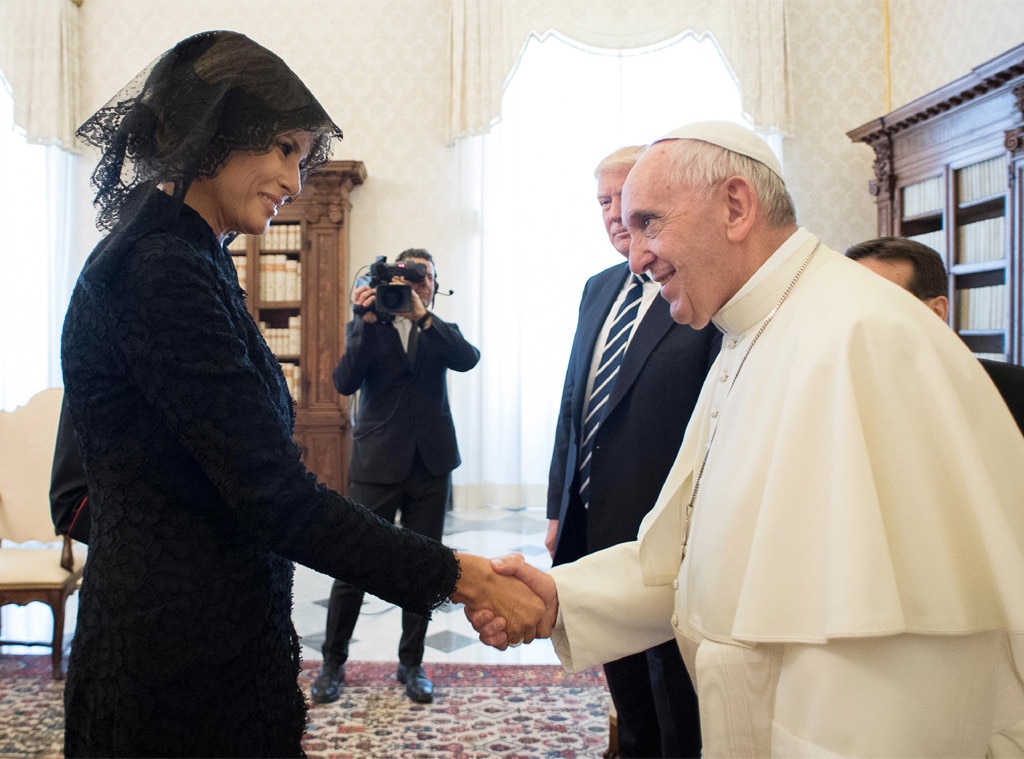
x=49, y=574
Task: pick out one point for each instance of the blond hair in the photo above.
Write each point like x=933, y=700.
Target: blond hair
x=623, y=158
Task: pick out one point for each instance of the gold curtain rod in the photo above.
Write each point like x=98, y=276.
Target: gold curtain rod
x=78, y=2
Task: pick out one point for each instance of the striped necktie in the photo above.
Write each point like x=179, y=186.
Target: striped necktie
x=604, y=378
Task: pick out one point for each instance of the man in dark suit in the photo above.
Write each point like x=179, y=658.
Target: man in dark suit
x=618, y=434
x=403, y=447
x=920, y=271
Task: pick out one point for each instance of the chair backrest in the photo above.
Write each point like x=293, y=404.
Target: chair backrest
x=27, y=437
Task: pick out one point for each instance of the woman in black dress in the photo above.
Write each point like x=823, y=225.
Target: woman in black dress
x=200, y=504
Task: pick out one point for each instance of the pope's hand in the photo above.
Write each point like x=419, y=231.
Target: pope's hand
x=492, y=627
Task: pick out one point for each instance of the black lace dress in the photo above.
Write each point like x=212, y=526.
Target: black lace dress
x=184, y=644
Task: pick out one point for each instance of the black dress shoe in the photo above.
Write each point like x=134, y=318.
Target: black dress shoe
x=325, y=687
x=417, y=685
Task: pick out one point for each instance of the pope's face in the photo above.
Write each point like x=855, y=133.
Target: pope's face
x=250, y=187
x=676, y=237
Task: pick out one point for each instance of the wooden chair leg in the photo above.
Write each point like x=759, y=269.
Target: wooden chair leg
x=58, y=638
x=613, y=738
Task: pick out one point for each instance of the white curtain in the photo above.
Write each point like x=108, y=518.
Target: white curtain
x=34, y=281
x=39, y=60
x=38, y=116
x=487, y=38
x=533, y=234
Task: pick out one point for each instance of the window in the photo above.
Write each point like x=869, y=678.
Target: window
x=32, y=293
x=33, y=298
x=535, y=233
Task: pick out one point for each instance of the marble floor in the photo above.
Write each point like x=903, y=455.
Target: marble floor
x=487, y=531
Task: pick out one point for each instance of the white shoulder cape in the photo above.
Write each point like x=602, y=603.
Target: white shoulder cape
x=865, y=479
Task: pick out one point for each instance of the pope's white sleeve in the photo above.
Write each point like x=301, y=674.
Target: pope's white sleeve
x=605, y=610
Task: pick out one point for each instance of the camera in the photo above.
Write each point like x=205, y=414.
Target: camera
x=391, y=299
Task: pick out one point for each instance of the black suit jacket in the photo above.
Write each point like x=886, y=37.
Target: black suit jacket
x=403, y=401
x=657, y=387
x=1009, y=380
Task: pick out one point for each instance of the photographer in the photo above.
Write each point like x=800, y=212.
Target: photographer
x=403, y=444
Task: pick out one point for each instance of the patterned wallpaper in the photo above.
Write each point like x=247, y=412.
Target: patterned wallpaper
x=379, y=67
x=936, y=42
x=836, y=74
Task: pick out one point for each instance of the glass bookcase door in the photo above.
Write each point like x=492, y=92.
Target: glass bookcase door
x=269, y=269
x=279, y=304
x=979, y=262
x=922, y=210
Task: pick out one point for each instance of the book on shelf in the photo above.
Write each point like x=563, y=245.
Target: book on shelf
x=935, y=240
x=923, y=198
x=239, y=244
x=293, y=378
x=981, y=308
x=282, y=237
x=280, y=277
x=241, y=269
x=982, y=180
x=981, y=241
x=285, y=341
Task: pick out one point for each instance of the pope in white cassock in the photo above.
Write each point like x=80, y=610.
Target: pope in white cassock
x=839, y=548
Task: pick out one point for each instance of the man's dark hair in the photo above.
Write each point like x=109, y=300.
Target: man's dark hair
x=415, y=253
x=422, y=254
x=929, y=279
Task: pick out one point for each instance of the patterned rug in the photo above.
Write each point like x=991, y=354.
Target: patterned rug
x=478, y=712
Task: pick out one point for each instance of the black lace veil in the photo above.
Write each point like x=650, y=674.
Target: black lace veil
x=180, y=117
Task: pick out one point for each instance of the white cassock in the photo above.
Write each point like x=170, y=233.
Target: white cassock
x=854, y=577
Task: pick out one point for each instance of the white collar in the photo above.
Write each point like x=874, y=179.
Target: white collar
x=751, y=304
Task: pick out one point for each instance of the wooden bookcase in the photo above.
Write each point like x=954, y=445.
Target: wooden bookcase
x=296, y=280
x=949, y=168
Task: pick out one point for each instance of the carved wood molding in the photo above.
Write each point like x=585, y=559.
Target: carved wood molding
x=988, y=77
x=1014, y=143
x=1018, y=96
x=1014, y=140
x=885, y=179
x=327, y=191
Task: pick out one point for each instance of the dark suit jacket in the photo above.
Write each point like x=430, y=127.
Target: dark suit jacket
x=403, y=402
x=1009, y=380
x=657, y=387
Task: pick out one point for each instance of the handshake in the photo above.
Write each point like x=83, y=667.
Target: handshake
x=507, y=601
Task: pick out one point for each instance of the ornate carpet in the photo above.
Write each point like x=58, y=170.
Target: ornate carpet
x=479, y=711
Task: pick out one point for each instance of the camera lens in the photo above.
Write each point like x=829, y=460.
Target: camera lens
x=394, y=298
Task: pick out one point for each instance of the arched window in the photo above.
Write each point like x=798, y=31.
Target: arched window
x=536, y=234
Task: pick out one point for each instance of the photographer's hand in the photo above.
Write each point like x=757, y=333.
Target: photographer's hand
x=364, y=298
